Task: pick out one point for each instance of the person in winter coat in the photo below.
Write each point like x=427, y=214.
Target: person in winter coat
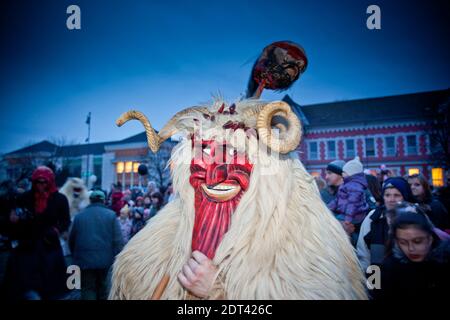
x=350, y=205
x=334, y=179
x=373, y=195
x=36, y=268
x=125, y=223
x=417, y=263
x=95, y=239
x=151, y=188
x=157, y=204
x=139, y=205
x=435, y=209
x=373, y=235
x=8, y=199
x=117, y=202
x=137, y=219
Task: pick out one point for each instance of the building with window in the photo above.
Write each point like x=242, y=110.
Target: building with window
x=394, y=131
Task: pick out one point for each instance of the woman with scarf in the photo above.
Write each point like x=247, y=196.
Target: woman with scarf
x=36, y=269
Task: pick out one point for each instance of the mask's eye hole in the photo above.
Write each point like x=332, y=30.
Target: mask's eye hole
x=207, y=150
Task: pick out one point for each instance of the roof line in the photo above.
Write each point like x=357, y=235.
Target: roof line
x=376, y=98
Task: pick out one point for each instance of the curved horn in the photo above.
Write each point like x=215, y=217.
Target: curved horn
x=154, y=139
x=289, y=135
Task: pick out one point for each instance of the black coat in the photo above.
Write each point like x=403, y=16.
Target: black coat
x=45, y=226
x=403, y=279
x=444, y=198
x=37, y=263
x=438, y=214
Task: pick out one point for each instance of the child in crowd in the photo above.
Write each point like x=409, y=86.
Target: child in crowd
x=125, y=223
x=350, y=205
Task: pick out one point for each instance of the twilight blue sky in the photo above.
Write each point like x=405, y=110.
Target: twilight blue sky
x=161, y=56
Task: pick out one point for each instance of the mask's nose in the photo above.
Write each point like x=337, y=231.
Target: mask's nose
x=216, y=174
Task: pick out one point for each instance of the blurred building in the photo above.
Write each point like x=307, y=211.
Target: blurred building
x=394, y=131
x=110, y=162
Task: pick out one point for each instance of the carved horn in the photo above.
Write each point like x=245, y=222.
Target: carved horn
x=290, y=134
x=154, y=139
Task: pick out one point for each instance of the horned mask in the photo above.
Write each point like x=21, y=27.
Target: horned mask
x=220, y=172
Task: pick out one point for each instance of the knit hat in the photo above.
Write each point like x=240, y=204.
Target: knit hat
x=400, y=184
x=353, y=167
x=97, y=194
x=336, y=166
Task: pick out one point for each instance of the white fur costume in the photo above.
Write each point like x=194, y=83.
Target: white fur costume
x=283, y=242
x=77, y=200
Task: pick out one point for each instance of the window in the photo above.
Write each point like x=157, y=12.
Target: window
x=411, y=144
x=390, y=146
x=331, y=145
x=437, y=177
x=313, y=151
x=128, y=166
x=370, y=147
x=412, y=171
x=119, y=167
x=135, y=166
x=349, y=148
x=98, y=164
x=73, y=166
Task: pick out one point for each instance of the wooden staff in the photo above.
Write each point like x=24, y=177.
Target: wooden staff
x=160, y=288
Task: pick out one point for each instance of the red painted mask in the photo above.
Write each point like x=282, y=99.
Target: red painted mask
x=219, y=176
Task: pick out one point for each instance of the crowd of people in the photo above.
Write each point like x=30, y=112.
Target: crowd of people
x=44, y=229
x=136, y=206
x=397, y=223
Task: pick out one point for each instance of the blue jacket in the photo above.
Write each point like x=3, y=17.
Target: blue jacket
x=95, y=237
